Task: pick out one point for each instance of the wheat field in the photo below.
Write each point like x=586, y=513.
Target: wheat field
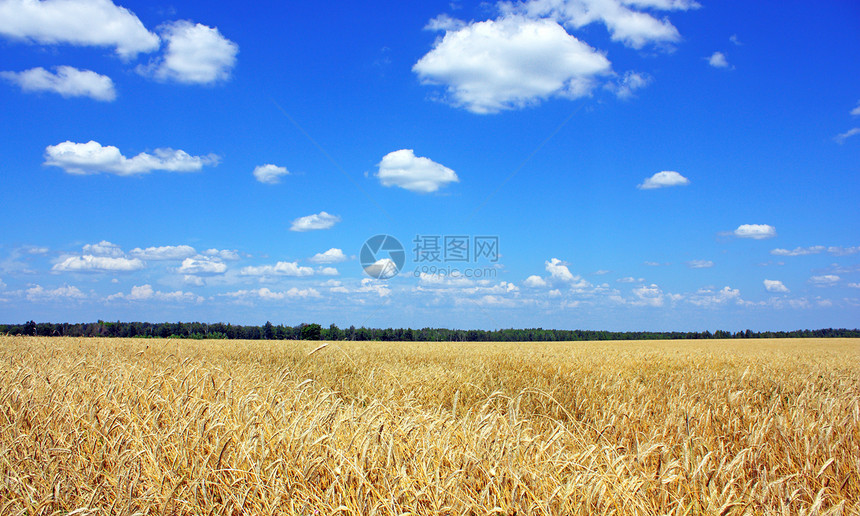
x=147, y=426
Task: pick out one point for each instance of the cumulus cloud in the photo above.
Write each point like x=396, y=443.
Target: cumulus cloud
x=510, y=63
x=270, y=174
x=774, y=286
x=648, y=295
x=190, y=279
x=856, y=110
x=825, y=280
x=558, y=270
x=755, y=231
x=146, y=293
x=103, y=248
x=93, y=158
x=90, y=263
x=630, y=279
x=166, y=252
x=707, y=297
x=76, y=22
x=559, y=273
x=798, y=251
x=279, y=269
x=444, y=22
x=321, y=220
x=384, y=268
x=333, y=255
x=374, y=286
x=664, y=179
x=223, y=254
x=718, y=60
x=535, y=281
x=414, y=173
x=269, y=295
x=840, y=138
x=626, y=85
x=700, y=264
x=843, y=251
x=66, y=81
x=622, y=18
x=195, y=54
x=202, y=265
x=66, y=292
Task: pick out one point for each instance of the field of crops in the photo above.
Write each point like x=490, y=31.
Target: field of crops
x=124, y=426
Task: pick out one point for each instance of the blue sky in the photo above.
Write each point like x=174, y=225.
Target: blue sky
x=643, y=164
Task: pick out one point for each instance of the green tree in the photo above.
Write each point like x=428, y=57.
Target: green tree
x=311, y=332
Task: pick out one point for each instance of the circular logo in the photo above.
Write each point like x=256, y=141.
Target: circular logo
x=382, y=256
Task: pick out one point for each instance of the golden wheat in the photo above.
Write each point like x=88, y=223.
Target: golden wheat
x=125, y=426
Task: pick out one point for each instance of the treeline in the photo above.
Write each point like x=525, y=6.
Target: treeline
x=269, y=331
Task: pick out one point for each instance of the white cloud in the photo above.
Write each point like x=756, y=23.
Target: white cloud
x=384, y=268
x=700, y=264
x=89, y=262
x=856, y=110
x=374, y=286
x=193, y=280
x=630, y=279
x=825, y=280
x=664, y=179
x=735, y=41
x=798, y=251
x=2, y=285
x=775, y=286
x=92, y=158
x=535, y=282
x=631, y=27
x=854, y=285
x=443, y=22
x=321, y=220
x=328, y=271
x=755, y=231
x=39, y=293
x=195, y=54
x=511, y=63
x=718, y=60
x=843, y=251
x=146, y=293
x=626, y=86
x=707, y=297
x=224, y=254
x=648, y=295
x=269, y=295
x=166, y=252
x=279, y=269
x=270, y=174
x=840, y=138
x=202, y=265
x=103, y=248
x=558, y=270
x=67, y=81
x=414, y=173
x=333, y=255
x=76, y=22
